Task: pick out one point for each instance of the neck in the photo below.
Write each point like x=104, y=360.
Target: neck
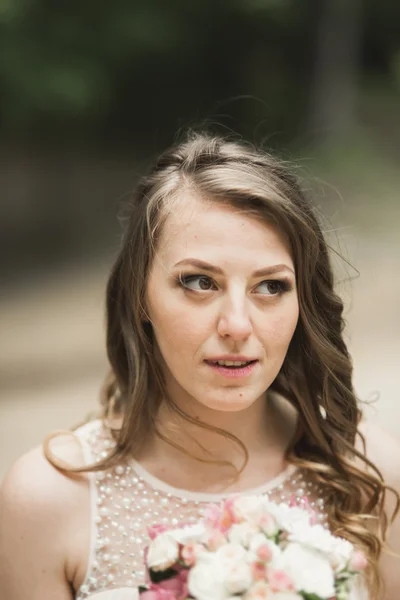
x=192, y=448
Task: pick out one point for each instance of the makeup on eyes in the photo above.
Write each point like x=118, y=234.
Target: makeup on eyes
x=185, y=279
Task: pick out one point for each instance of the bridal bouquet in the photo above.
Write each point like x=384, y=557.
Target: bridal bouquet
x=252, y=549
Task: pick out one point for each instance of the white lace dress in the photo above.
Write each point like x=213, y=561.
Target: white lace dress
x=127, y=499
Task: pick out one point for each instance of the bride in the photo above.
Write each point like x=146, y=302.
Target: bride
x=229, y=374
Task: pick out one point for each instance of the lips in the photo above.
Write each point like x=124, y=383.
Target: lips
x=233, y=358
x=230, y=363
x=232, y=371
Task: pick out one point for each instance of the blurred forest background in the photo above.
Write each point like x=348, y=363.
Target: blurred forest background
x=90, y=92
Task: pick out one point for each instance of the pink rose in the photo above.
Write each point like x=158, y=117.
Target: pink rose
x=183, y=583
x=279, y=581
x=230, y=513
x=259, y=571
x=217, y=517
x=157, y=594
x=212, y=516
x=215, y=540
x=170, y=589
x=264, y=553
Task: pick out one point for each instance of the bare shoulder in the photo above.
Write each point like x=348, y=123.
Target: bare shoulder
x=41, y=519
x=383, y=449
x=34, y=483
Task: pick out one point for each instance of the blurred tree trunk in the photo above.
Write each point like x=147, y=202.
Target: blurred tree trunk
x=333, y=91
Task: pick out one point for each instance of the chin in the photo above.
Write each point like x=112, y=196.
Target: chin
x=228, y=404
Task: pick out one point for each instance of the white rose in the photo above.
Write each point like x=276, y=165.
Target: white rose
x=309, y=570
x=189, y=534
x=229, y=555
x=205, y=581
x=258, y=591
x=238, y=578
x=249, y=508
x=232, y=562
x=242, y=533
x=262, y=591
x=319, y=538
x=341, y=553
x=288, y=517
x=163, y=552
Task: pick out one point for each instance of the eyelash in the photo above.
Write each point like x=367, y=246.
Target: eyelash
x=283, y=284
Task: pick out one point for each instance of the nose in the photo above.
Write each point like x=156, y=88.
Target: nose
x=234, y=320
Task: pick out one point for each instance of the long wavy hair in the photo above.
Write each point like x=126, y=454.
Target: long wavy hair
x=316, y=376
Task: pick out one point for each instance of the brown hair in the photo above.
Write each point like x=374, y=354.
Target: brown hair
x=317, y=371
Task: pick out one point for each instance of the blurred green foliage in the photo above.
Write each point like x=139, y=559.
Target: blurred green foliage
x=92, y=68
x=90, y=65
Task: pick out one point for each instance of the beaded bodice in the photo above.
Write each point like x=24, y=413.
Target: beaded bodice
x=126, y=500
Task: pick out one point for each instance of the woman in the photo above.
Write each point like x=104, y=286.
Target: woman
x=229, y=374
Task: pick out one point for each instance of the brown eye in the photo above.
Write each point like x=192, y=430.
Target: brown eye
x=197, y=282
x=272, y=287
x=204, y=283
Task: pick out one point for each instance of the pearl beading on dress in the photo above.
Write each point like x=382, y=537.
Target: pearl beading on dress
x=126, y=501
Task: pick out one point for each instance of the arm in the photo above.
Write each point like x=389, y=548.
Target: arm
x=39, y=508
x=384, y=450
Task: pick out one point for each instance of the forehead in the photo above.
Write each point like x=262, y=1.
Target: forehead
x=217, y=232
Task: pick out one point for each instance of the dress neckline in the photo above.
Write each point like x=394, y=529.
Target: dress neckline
x=162, y=486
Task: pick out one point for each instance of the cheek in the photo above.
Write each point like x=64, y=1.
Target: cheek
x=180, y=333
x=279, y=329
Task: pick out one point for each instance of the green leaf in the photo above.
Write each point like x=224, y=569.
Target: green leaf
x=157, y=576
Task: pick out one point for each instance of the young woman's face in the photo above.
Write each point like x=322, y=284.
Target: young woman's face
x=222, y=288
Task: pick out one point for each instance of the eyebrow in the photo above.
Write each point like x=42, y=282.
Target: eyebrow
x=265, y=272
